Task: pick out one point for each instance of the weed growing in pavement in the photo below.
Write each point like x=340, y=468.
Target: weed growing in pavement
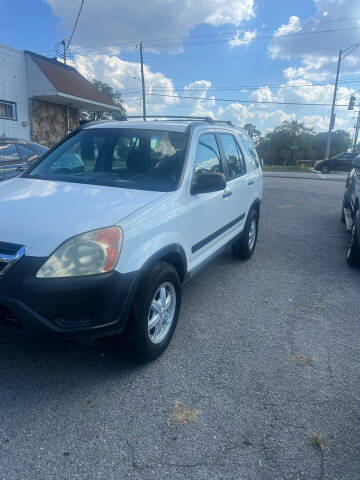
x=317, y=440
x=183, y=415
x=302, y=360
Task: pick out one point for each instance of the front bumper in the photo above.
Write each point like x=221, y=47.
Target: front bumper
x=66, y=307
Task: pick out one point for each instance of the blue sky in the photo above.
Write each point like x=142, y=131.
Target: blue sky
x=216, y=49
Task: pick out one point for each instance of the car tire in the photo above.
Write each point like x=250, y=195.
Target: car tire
x=353, y=253
x=325, y=169
x=245, y=245
x=159, y=287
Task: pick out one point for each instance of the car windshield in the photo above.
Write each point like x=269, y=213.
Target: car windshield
x=127, y=158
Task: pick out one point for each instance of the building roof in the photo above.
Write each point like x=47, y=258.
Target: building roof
x=68, y=80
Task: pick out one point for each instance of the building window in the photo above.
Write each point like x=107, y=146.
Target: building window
x=7, y=110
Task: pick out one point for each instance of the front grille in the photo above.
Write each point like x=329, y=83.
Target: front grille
x=10, y=253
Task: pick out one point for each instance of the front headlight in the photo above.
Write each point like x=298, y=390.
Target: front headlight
x=86, y=254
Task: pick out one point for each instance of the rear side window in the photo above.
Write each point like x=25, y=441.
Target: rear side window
x=207, y=155
x=25, y=152
x=234, y=158
x=250, y=151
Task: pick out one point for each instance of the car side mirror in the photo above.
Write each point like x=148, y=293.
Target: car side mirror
x=356, y=162
x=208, y=182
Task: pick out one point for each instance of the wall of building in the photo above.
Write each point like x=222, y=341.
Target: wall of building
x=13, y=88
x=48, y=121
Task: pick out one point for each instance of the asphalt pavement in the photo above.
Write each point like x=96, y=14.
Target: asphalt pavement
x=261, y=380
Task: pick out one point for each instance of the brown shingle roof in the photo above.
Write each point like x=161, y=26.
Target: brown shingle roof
x=67, y=80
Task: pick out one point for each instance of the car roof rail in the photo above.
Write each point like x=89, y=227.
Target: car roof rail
x=173, y=117
x=194, y=121
x=85, y=123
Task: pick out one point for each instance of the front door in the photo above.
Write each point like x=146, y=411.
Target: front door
x=208, y=214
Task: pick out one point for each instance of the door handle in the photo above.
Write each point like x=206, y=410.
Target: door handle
x=251, y=182
x=227, y=193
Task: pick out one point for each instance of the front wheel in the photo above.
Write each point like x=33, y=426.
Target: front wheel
x=244, y=247
x=156, y=310
x=325, y=169
x=353, y=254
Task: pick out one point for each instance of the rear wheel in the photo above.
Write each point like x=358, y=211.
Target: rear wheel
x=353, y=253
x=244, y=247
x=156, y=310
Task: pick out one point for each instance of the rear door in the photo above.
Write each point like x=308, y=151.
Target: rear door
x=253, y=175
x=237, y=181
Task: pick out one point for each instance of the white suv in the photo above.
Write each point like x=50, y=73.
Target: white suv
x=101, y=233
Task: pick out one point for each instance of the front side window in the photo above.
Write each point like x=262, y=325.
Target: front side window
x=207, y=155
x=250, y=150
x=7, y=110
x=128, y=158
x=234, y=158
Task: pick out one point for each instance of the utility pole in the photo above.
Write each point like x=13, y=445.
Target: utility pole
x=356, y=136
x=342, y=54
x=143, y=81
x=63, y=43
x=332, y=116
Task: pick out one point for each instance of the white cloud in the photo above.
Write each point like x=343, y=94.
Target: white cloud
x=291, y=27
x=119, y=21
x=242, y=38
x=317, y=122
x=339, y=20
x=120, y=75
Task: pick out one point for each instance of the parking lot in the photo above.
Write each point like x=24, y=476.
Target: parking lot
x=265, y=357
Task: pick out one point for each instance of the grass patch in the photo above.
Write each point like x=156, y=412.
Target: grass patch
x=183, y=415
x=317, y=440
x=284, y=168
x=302, y=360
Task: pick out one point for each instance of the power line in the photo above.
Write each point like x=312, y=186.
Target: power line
x=254, y=27
x=76, y=22
x=245, y=101
x=349, y=95
x=251, y=87
x=216, y=42
x=238, y=87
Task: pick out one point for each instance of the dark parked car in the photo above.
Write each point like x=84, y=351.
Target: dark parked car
x=341, y=162
x=350, y=213
x=16, y=154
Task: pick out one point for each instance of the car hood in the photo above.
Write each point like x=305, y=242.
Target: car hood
x=42, y=214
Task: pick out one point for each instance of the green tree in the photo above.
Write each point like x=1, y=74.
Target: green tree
x=253, y=133
x=340, y=142
x=276, y=144
x=115, y=96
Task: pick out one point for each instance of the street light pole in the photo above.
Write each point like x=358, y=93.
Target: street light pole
x=357, y=128
x=342, y=54
x=63, y=43
x=332, y=116
x=143, y=81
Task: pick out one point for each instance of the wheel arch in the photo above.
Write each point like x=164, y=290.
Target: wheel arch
x=256, y=204
x=173, y=254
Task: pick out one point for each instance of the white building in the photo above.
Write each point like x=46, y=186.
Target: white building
x=40, y=97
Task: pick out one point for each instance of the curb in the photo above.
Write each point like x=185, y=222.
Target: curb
x=303, y=177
